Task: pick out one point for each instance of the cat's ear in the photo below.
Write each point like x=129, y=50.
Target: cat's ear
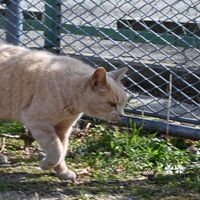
x=118, y=74
x=98, y=80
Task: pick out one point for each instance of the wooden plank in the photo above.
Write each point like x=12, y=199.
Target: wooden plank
x=178, y=28
x=134, y=36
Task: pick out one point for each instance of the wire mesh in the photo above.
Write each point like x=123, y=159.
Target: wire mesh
x=154, y=38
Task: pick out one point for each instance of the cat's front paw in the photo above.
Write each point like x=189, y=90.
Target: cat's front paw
x=67, y=175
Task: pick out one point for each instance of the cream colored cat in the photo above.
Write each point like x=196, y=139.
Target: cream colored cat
x=48, y=94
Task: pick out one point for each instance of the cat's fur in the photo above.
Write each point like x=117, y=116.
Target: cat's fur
x=48, y=94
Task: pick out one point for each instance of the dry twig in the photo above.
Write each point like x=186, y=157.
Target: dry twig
x=3, y=144
x=169, y=103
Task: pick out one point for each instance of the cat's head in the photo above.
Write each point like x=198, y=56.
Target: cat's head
x=105, y=94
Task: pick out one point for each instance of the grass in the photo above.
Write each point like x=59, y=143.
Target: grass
x=111, y=162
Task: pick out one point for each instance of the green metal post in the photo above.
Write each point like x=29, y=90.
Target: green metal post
x=52, y=24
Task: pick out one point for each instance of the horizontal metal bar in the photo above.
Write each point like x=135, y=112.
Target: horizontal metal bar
x=161, y=126
x=162, y=116
x=175, y=130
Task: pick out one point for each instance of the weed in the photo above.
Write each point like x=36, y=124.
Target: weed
x=11, y=127
x=116, y=159
x=131, y=147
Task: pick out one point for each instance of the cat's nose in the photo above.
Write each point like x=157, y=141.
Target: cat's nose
x=118, y=117
x=115, y=118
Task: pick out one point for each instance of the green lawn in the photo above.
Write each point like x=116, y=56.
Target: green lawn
x=111, y=163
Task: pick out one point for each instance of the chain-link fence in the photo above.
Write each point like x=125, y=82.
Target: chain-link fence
x=156, y=39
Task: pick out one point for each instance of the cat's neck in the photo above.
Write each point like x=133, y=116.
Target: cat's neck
x=73, y=92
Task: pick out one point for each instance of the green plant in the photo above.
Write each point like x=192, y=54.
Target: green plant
x=114, y=160
x=11, y=127
x=147, y=151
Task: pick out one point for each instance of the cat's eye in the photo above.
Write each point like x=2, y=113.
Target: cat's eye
x=112, y=104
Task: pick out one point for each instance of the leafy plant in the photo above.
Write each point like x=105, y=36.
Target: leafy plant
x=11, y=127
x=145, y=151
x=114, y=161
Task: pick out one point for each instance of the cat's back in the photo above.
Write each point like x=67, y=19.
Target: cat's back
x=9, y=51
x=21, y=58
x=20, y=70
x=23, y=65
x=27, y=73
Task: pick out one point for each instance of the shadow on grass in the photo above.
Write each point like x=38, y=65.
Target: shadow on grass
x=176, y=186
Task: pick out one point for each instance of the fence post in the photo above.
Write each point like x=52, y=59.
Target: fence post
x=14, y=24
x=52, y=23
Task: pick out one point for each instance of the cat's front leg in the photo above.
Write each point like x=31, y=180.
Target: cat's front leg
x=46, y=136
x=63, y=130
x=64, y=172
